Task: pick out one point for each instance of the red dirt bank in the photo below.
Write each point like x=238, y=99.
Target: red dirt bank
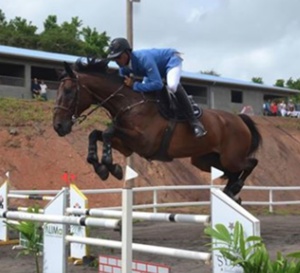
x=36, y=159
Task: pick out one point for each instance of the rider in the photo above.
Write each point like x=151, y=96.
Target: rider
x=153, y=65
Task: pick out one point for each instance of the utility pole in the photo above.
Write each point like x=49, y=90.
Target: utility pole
x=129, y=33
x=129, y=20
x=127, y=193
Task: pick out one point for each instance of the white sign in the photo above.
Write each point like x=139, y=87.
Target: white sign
x=3, y=206
x=54, y=237
x=226, y=211
x=78, y=201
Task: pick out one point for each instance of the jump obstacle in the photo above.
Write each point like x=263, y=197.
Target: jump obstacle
x=223, y=210
x=76, y=200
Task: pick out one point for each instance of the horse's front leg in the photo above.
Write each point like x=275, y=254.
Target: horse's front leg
x=92, y=158
x=107, y=159
x=94, y=136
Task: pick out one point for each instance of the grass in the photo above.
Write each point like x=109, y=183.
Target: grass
x=14, y=112
x=17, y=112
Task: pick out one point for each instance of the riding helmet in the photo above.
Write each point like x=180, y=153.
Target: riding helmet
x=117, y=47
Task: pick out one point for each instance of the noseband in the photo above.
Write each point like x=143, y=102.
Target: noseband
x=75, y=100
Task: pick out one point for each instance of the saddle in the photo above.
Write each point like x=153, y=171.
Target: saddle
x=169, y=107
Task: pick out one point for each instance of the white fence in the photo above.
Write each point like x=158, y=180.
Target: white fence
x=271, y=202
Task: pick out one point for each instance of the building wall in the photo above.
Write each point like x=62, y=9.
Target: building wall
x=210, y=95
x=24, y=92
x=222, y=99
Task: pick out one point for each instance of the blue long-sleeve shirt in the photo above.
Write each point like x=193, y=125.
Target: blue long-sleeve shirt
x=153, y=65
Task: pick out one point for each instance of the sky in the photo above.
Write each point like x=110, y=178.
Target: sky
x=238, y=39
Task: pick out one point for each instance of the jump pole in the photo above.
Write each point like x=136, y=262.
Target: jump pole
x=4, y=238
x=127, y=201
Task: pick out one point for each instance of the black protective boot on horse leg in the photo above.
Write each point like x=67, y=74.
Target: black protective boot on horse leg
x=107, y=160
x=186, y=106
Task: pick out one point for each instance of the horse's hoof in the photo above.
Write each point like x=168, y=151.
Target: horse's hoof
x=102, y=171
x=116, y=170
x=238, y=200
x=106, y=160
x=92, y=158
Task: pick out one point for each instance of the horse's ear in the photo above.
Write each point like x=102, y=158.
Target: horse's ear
x=69, y=70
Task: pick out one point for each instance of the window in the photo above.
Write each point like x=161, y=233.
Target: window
x=199, y=93
x=236, y=96
x=12, y=74
x=49, y=75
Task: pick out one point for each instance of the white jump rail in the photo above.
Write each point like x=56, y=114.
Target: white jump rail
x=30, y=197
x=57, y=219
x=162, y=217
x=165, y=251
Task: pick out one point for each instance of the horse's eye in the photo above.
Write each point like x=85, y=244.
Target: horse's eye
x=68, y=91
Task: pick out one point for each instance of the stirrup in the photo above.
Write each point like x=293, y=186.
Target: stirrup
x=199, y=131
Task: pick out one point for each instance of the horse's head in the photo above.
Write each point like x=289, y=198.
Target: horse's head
x=70, y=102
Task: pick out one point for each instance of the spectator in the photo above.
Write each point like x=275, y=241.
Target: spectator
x=266, y=108
x=35, y=89
x=274, y=108
x=43, y=91
x=291, y=106
x=282, y=108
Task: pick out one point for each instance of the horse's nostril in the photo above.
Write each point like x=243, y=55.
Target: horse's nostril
x=57, y=126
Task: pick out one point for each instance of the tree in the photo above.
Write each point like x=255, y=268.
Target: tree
x=3, y=22
x=279, y=83
x=68, y=38
x=61, y=39
x=293, y=84
x=17, y=32
x=257, y=80
x=211, y=72
x=94, y=43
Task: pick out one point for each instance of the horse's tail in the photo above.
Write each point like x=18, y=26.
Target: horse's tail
x=256, y=136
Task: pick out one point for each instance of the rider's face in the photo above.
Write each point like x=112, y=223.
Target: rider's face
x=123, y=59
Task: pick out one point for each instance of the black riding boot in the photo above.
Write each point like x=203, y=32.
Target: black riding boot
x=185, y=104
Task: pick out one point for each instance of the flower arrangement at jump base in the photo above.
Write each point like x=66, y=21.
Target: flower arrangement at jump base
x=250, y=253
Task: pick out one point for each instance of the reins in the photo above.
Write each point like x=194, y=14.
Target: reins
x=100, y=101
x=81, y=118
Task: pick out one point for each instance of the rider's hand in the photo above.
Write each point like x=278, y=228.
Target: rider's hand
x=128, y=81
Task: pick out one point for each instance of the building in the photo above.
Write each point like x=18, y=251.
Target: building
x=19, y=66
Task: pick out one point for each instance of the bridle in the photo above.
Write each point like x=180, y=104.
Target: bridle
x=100, y=101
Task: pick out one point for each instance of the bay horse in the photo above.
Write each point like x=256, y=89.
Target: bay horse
x=138, y=126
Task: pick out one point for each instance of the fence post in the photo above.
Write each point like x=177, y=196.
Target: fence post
x=271, y=201
x=154, y=201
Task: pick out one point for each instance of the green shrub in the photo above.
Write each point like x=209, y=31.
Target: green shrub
x=32, y=233
x=250, y=253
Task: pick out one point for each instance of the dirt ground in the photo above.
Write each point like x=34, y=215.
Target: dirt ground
x=280, y=234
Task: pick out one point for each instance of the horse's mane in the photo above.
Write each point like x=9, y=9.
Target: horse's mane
x=96, y=66
x=91, y=65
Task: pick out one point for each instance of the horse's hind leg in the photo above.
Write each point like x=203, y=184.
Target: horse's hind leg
x=236, y=180
x=205, y=162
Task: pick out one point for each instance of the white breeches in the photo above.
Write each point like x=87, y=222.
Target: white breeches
x=173, y=78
